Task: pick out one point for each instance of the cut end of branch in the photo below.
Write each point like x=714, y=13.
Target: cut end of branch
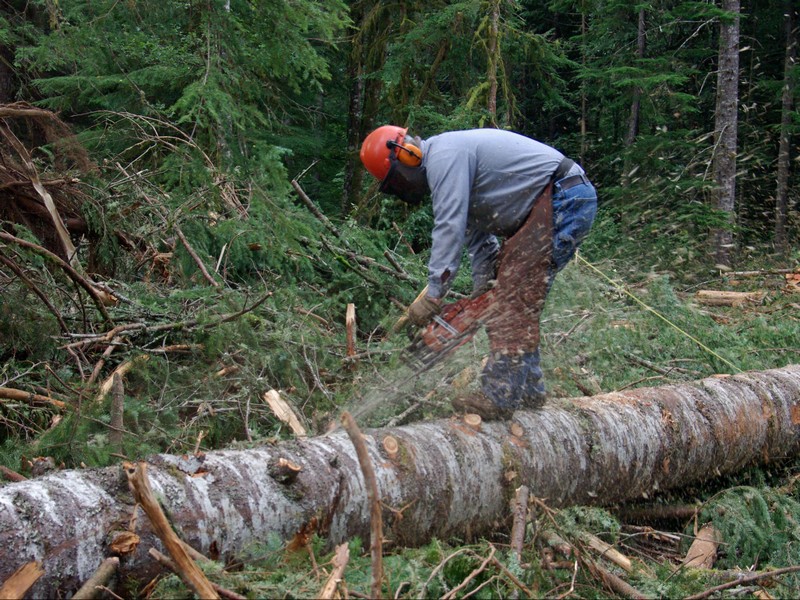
x=473, y=421
x=284, y=471
x=284, y=412
x=391, y=446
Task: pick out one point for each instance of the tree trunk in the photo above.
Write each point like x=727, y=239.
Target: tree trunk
x=584, y=101
x=726, y=128
x=493, y=52
x=8, y=76
x=784, y=158
x=353, y=171
x=636, y=102
x=450, y=479
x=633, y=118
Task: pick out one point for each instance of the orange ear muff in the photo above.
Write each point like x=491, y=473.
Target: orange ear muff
x=409, y=155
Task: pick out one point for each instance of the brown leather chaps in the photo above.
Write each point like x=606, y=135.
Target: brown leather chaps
x=523, y=278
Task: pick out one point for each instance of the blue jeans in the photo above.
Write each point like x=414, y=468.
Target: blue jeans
x=515, y=381
x=573, y=214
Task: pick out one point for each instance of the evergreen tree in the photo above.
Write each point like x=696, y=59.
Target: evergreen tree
x=726, y=127
x=787, y=112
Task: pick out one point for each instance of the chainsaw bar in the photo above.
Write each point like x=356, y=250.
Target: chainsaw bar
x=419, y=355
x=456, y=324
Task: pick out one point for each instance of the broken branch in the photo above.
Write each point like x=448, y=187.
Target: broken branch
x=284, y=412
x=39, y=293
x=33, y=175
x=743, y=580
x=314, y=210
x=452, y=593
x=21, y=581
x=117, y=412
x=350, y=328
x=97, y=582
x=723, y=298
x=195, y=257
x=376, y=516
x=22, y=396
x=520, y=520
x=703, y=552
x=170, y=564
x=607, y=551
x=120, y=371
x=11, y=475
x=93, y=292
x=340, y=560
x=187, y=569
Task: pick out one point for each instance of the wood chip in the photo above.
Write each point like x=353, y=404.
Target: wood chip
x=284, y=412
x=702, y=554
x=16, y=586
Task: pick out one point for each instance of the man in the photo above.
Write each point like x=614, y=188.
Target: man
x=485, y=184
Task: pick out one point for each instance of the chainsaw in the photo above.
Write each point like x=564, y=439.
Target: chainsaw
x=453, y=327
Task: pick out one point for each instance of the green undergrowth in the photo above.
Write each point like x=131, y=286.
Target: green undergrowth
x=608, y=327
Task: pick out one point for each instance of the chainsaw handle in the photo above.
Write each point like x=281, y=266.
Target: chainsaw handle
x=402, y=322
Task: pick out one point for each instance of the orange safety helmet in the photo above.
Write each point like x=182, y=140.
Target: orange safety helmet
x=378, y=146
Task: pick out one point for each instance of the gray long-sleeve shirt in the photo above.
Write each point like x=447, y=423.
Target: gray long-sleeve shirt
x=483, y=184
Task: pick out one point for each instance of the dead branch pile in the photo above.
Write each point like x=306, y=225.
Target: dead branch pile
x=40, y=165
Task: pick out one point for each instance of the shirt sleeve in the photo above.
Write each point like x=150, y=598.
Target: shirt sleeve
x=450, y=176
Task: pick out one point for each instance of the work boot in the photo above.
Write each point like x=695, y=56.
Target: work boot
x=480, y=405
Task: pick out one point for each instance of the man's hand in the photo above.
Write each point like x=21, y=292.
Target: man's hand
x=423, y=309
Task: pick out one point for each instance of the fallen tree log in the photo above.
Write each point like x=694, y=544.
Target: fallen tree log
x=725, y=298
x=444, y=479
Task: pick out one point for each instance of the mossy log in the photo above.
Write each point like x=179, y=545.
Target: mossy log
x=448, y=478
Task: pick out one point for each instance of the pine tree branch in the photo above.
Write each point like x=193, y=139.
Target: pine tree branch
x=66, y=267
x=34, y=288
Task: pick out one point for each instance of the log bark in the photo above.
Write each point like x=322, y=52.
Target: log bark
x=450, y=479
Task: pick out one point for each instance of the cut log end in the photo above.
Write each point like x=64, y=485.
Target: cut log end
x=473, y=421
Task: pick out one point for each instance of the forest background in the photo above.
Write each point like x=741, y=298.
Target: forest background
x=203, y=157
